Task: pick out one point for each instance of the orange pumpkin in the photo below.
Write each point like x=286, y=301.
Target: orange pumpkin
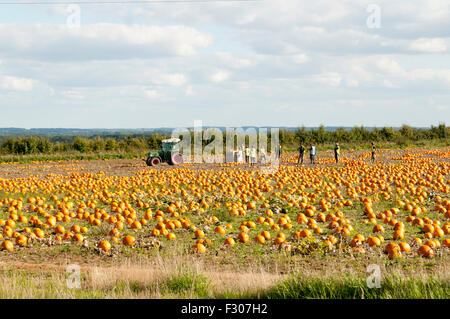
x=265, y=234
x=104, y=245
x=8, y=245
x=399, y=234
x=199, y=233
x=60, y=229
x=21, y=240
x=171, y=236
x=243, y=237
x=200, y=248
x=425, y=251
x=446, y=242
x=219, y=230
x=129, y=240
x=374, y=241
x=404, y=247
x=230, y=241
x=378, y=228
x=78, y=238
x=260, y=239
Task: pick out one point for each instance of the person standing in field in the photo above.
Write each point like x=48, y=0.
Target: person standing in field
x=337, y=150
x=242, y=153
x=312, y=153
x=262, y=155
x=301, y=152
x=373, y=152
x=247, y=154
x=253, y=155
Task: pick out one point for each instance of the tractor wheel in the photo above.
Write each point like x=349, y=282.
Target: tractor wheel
x=155, y=161
x=176, y=159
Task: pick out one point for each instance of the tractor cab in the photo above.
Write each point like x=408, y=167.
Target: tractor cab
x=169, y=153
x=170, y=145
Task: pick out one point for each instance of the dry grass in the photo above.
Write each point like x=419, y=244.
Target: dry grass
x=152, y=276
x=189, y=277
x=158, y=278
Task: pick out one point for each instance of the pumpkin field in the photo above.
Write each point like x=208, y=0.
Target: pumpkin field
x=228, y=230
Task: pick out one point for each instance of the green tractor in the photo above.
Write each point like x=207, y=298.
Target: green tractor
x=170, y=153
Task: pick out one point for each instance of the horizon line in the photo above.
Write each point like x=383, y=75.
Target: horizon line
x=209, y=126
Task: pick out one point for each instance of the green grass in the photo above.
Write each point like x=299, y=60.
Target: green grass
x=21, y=284
x=347, y=287
x=66, y=157
x=223, y=215
x=188, y=284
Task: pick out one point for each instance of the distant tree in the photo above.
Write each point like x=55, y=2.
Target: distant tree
x=98, y=144
x=407, y=132
x=302, y=135
x=81, y=144
x=319, y=135
x=111, y=144
x=441, y=131
x=356, y=134
x=375, y=134
x=43, y=145
x=341, y=135
x=26, y=145
x=387, y=133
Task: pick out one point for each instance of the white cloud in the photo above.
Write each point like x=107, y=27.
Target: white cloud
x=72, y=94
x=244, y=85
x=389, y=66
x=220, y=76
x=300, y=58
x=16, y=84
x=388, y=84
x=328, y=78
x=351, y=82
x=430, y=74
x=176, y=79
x=286, y=53
x=237, y=62
x=383, y=72
x=101, y=41
x=152, y=94
x=435, y=45
x=190, y=91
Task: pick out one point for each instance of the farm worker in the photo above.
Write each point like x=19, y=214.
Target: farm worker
x=312, y=154
x=253, y=155
x=247, y=154
x=301, y=152
x=373, y=152
x=337, y=150
x=262, y=155
x=241, y=154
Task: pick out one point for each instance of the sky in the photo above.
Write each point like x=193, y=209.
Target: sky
x=226, y=63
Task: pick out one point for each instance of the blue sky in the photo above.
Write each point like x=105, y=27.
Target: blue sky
x=274, y=63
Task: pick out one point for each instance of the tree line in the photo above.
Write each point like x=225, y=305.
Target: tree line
x=288, y=138
x=44, y=145
x=403, y=135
